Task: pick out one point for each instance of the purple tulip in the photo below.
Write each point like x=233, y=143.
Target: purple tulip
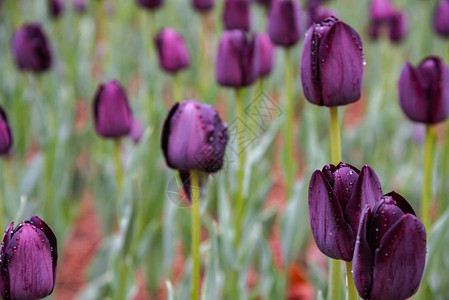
x=203, y=6
x=55, y=8
x=337, y=195
x=5, y=134
x=424, y=91
x=194, y=138
x=28, y=258
x=441, y=18
x=398, y=26
x=237, y=60
x=284, y=23
x=80, y=6
x=172, y=51
x=30, y=48
x=381, y=10
x=150, y=4
x=237, y=15
x=266, y=53
x=390, y=252
x=112, y=114
x=332, y=64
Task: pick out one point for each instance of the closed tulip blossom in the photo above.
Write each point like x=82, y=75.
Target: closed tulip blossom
x=390, y=252
x=441, y=18
x=285, y=23
x=28, y=258
x=381, y=10
x=266, y=54
x=424, y=91
x=5, y=134
x=112, y=114
x=172, y=51
x=203, y=6
x=337, y=196
x=55, y=8
x=332, y=64
x=30, y=48
x=398, y=26
x=193, y=139
x=237, y=15
x=150, y=4
x=80, y=6
x=237, y=60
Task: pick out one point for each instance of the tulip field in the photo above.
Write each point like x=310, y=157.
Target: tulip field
x=224, y=149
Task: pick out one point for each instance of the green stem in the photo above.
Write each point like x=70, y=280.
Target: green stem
x=335, y=136
x=118, y=167
x=177, y=87
x=289, y=127
x=202, y=56
x=352, y=292
x=428, y=164
x=335, y=265
x=242, y=157
x=334, y=280
x=195, y=190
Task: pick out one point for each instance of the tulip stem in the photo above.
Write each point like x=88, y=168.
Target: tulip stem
x=333, y=292
x=335, y=136
x=118, y=167
x=352, y=292
x=195, y=191
x=428, y=164
x=240, y=174
x=289, y=149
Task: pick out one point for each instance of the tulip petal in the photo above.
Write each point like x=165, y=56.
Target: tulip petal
x=5, y=133
x=411, y=95
x=4, y=279
x=29, y=264
x=363, y=258
x=366, y=193
x=309, y=69
x=341, y=65
x=166, y=133
x=401, y=203
x=399, y=262
x=333, y=236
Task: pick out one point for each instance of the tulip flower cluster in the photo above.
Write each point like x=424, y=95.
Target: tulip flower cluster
x=352, y=221
x=384, y=16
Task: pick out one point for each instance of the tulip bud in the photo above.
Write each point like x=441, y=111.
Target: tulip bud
x=28, y=258
x=398, y=26
x=424, y=91
x=284, y=23
x=441, y=18
x=381, y=10
x=337, y=194
x=203, y=6
x=30, y=48
x=194, y=138
x=80, y=6
x=266, y=54
x=237, y=60
x=150, y=4
x=112, y=114
x=5, y=134
x=236, y=15
x=172, y=51
x=55, y=8
x=332, y=64
x=390, y=252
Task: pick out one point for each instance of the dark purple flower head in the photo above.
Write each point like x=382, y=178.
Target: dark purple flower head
x=5, y=134
x=194, y=138
x=285, y=23
x=381, y=10
x=337, y=195
x=424, y=91
x=398, y=26
x=237, y=15
x=112, y=114
x=150, y=4
x=80, y=6
x=332, y=64
x=172, y=51
x=203, y=5
x=266, y=53
x=55, y=8
x=28, y=259
x=390, y=252
x=30, y=48
x=237, y=60
x=441, y=18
